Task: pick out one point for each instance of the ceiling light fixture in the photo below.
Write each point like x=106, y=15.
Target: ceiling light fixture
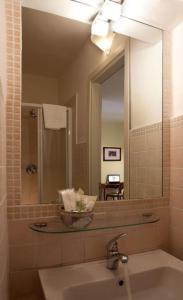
x=100, y=27
x=111, y=10
x=103, y=43
x=102, y=36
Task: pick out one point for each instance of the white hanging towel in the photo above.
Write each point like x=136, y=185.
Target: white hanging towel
x=54, y=116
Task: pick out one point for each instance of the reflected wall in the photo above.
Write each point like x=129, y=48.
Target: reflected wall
x=145, y=132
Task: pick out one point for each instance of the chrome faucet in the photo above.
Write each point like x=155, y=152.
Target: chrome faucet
x=113, y=255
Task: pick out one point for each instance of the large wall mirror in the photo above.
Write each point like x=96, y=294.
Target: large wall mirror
x=90, y=119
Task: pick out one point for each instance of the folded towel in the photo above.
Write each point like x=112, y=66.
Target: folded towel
x=76, y=201
x=54, y=116
x=68, y=198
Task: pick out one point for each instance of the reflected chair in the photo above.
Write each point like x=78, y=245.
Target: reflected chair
x=118, y=194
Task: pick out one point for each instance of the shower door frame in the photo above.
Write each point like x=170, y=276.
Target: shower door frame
x=39, y=147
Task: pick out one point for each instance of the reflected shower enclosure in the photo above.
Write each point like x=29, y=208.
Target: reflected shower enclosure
x=44, y=157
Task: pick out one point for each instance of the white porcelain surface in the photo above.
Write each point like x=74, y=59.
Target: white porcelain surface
x=154, y=275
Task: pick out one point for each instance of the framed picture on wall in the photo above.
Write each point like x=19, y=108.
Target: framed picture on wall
x=111, y=154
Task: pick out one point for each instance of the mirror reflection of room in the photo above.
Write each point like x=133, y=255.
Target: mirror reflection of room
x=59, y=58
x=112, y=137
x=50, y=43
x=146, y=118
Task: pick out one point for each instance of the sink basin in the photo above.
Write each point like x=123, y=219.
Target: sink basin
x=107, y=289
x=159, y=284
x=153, y=275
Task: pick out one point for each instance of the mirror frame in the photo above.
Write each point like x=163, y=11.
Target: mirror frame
x=13, y=115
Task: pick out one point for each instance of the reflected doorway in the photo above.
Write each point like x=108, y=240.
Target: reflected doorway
x=112, y=137
x=99, y=80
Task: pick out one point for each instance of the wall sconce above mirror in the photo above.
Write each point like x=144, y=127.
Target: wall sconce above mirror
x=111, y=101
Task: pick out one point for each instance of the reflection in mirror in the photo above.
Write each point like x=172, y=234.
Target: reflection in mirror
x=44, y=159
x=112, y=137
x=47, y=143
x=29, y=126
x=142, y=118
x=58, y=61
x=146, y=119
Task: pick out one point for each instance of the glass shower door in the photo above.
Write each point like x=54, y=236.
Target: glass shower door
x=45, y=157
x=29, y=166
x=54, y=164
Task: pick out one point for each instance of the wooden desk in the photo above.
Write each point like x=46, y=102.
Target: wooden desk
x=104, y=186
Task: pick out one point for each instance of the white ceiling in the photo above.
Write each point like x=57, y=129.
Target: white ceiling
x=50, y=42
x=163, y=14
x=113, y=98
x=66, y=8
x=52, y=36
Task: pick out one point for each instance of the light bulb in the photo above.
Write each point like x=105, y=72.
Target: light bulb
x=100, y=28
x=103, y=43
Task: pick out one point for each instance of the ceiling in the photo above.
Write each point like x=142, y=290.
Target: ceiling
x=164, y=14
x=112, y=98
x=55, y=30
x=71, y=9
x=50, y=42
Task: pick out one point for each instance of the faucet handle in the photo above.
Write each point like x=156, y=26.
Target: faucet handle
x=113, y=244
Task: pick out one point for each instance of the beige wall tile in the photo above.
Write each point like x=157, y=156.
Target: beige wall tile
x=48, y=255
x=19, y=232
x=176, y=195
x=146, y=171
x=22, y=257
x=72, y=250
x=176, y=198
x=95, y=246
x=3, y=187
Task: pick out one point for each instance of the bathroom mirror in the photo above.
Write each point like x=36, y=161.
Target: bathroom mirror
x=109, y=139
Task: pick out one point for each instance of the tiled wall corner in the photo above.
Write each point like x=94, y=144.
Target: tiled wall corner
x=176, y=144
x=13, y=113
x=167, y=73
x=176, y=196
x=3, y=190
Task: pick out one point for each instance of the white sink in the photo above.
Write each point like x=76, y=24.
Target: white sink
x=154, y=275
x=159, y=284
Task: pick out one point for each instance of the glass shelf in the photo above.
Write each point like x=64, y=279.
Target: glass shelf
x=57, y=226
